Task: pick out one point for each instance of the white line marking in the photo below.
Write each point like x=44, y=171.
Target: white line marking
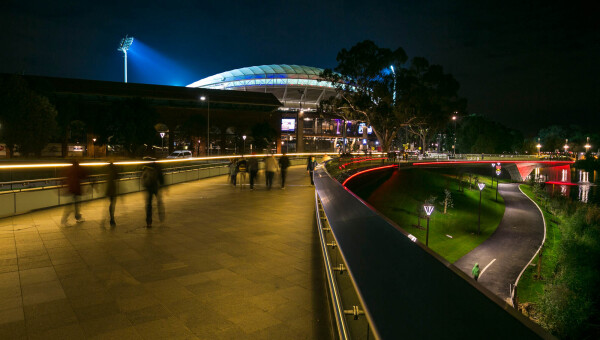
x=486, y=267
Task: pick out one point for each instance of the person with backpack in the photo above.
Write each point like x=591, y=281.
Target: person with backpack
x=152, y=180
x=284, y=163
x=475, y=271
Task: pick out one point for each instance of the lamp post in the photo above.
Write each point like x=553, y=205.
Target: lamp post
x=566, y=146
x=539, y=147
x=454, y=145
x=587, y=145
x=205, y=98
x=244, y=149
x=481, y=186
x=162, y=143
x=498, y=172
x=123, y=47
x=94, y=147
x=394, y=73
x=493, y=166
x=428, y=210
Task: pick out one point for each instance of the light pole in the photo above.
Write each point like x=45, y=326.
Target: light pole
x=428, y=210
x=481, y=186
x=587, y=145
x=205, y=98
x=498, y=172
x=566, y=146
x=94, y=147
x=454, y=145
x=244, y=149
x=394, y=73
x=123, y=47
x=539, y=147
x=493, y=166
x=162, y=143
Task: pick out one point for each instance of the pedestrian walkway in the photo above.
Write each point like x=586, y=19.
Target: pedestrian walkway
x=227, y=263
x=503, y=256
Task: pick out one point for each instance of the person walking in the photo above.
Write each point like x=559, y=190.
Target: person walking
x=284, y=163
x=270, y=168
x=310, y=168
x=253, y=170
x=242, y=169
x=152, y=180
x=111, y=191
x=232, y=171
x=73, y=177
x=475, y=271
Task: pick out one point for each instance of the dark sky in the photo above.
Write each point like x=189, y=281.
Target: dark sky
x=524, y=64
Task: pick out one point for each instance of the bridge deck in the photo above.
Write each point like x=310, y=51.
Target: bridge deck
x=226, y=263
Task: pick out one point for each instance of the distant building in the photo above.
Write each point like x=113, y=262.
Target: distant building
x=300, y=89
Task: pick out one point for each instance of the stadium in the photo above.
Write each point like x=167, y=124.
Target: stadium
x=300, y=89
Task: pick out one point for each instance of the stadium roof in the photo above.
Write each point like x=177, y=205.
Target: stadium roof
x=295, y=86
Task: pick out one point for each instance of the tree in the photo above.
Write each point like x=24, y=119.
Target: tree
x=428, y=97
x=130, y=123
x=448, y=203
x=264, y=135
x=27, y=118
x=365, y=88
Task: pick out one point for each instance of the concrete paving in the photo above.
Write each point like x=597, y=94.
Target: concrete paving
x=227, y=263
x=512, y=245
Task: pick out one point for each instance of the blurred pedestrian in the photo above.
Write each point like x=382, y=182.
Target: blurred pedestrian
x=111, y=191
x=152, y=180
x=284, y=163
x=475, y=271
x=232, y=171
x=310, y=168
x=270, y=168
x=253, y=170
x=74, y=175
x=242, y=169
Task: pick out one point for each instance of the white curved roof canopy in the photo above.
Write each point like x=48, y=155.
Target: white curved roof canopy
x=294, y=85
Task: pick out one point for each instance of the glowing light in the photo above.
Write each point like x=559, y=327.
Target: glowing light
x=498, y=172
x=428, y=209
x=481, y=186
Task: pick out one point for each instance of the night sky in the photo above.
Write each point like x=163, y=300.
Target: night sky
x=524, y=64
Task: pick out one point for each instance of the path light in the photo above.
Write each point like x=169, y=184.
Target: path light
x=539, y=147
x=566, y=146
x=205, y=98
x=498, y=172
x=428, y=210
x=481, y=186
x=162, y=144
x=244, y=138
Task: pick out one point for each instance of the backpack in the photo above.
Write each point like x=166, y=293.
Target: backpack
x=149, y=177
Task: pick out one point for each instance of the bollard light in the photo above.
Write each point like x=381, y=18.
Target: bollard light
x=481, y=186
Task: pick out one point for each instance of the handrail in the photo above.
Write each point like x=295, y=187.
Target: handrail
x=407, y=290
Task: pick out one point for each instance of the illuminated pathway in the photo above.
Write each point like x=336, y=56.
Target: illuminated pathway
x=226, y=263
x=511, y=246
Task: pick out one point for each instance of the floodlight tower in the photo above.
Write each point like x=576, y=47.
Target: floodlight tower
x=123, y=47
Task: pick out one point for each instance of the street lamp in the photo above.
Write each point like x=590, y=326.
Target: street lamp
x=123, y=47
x=94, y=147
x=454, y=145
x=481, y=186
x=539, y=147
x=394, y=72
x=566, y=146
x=205, y=98
x=428, y=210
x=244, y=149
x=498, y=172
x=162, y=144
x=587, y=145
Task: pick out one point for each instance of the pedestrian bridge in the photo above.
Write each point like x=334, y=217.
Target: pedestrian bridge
x=230, y=262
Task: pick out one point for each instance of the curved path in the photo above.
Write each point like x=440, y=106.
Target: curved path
x=226, y=264
x=511, y=247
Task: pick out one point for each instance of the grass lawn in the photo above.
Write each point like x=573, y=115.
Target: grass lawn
x=400, y=196
x=530, y=289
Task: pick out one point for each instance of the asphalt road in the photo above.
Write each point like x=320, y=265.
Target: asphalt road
x=511, y=247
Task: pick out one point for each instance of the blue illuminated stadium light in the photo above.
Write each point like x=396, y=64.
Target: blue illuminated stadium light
x=125, y=44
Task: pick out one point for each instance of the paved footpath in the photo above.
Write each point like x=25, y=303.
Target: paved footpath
x=226, y=264
x=512, y=245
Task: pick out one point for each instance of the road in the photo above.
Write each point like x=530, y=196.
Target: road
x=503, y=256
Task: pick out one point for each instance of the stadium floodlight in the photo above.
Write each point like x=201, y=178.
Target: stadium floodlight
x=123, y=47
